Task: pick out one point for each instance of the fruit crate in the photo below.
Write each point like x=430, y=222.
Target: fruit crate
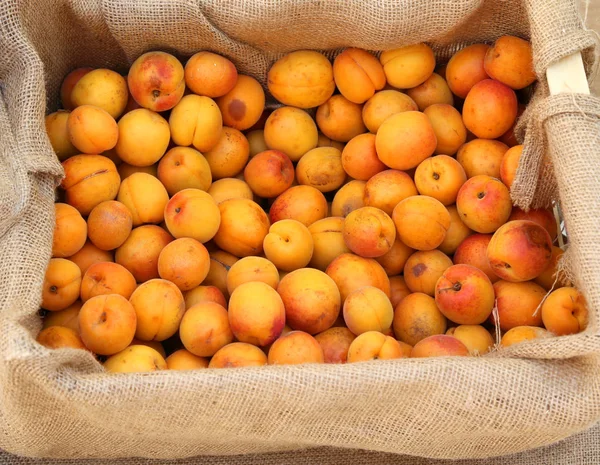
x=63, y=404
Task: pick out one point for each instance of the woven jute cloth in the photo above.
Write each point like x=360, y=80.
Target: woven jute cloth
x=61, y=404
x=581, y=449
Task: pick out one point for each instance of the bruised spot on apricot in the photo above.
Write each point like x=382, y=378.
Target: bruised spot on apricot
x=419, y=269
x=536, y=237
x=237, y=109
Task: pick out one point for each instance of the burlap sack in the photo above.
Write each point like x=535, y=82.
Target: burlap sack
x=62, y=404
x=581, y=449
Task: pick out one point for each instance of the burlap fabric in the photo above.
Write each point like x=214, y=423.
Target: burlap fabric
x=61, y=404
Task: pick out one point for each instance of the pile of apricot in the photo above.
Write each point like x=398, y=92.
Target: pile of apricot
x=368, y=216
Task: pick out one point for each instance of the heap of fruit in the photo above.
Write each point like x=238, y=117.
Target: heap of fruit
x=193, y=222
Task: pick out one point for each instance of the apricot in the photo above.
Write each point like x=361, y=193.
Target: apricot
x=440, y=177
x=484, y=204
x=335, y=343
x=328, y=242
x=143, y=137
x=67, y=318
x=393, y=260
x=295, y=348
x=139, y=253
x=465, y=69
x=348, y=198
x=543, y=217
x=107, y=324
x=230, y=188
x=184, y=168
x=448, y=127
x=288, y=245
x=465, y=295
x=152, y=344
x=185, y=262
x=358, y=74
x=135, y=359
x=490, y=109
x=230, y=155
x=510, y=61
x=351, y=272
x=66, y=88
x=456, y=234
x=89, y=180
x=269, y=173
x=70, y=231
x=196, y=120
x=145, y=197
x=423, y=269
x=205, y=329
x=256, y=141
x=322, y=169
x=244, y=104
x=481, y=157
x=324, y=141
x=476, y=338
x=518, y=304
x=433, y=91
x=417, y=317
x=565, y=312
x=359, y=158
x=509, y=165
x=109, y=224
x=91, y=129
x=250, y=269
x=291, y=131
x=256, y=313
x=519, y=251
x=369, y=232
x=340, y=119
x=106, y=278
x=368, y=309
x=204, y=294
x=185, y=360
x=159, y=307
x=373, y=345
x=548, y=278
x=238, y=354
x=192, y=213
x=125, y=170
x=103, y=88
x=302, y=79
x=421, y=222
x=59, y=337
x=509, y=137
x=311, y=299
x=523, y=333
x=398, y=290
x=90, y=254
x=210, y=74
x=62, y=282
x=384, y=104
x=473, y=251
x=156, y=81
x=387, y=189
x=243, y=227
x=440, y=345
x=405, y=139
x=408, y=66
x=56, y=128
x=302, y=203
x=220, y=264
